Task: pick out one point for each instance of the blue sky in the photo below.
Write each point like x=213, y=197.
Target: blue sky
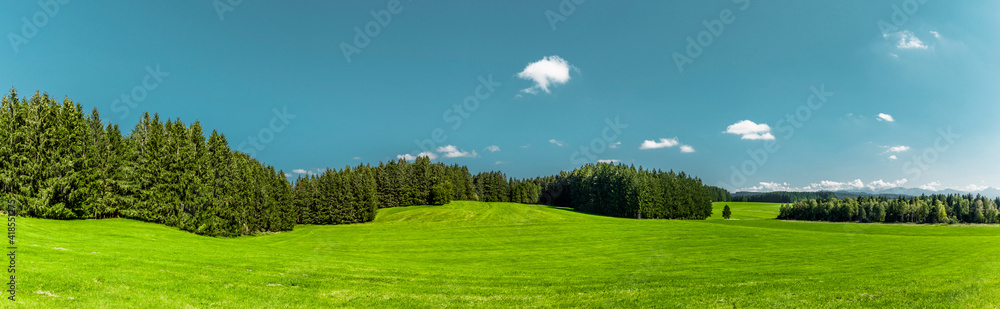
x=546, y=82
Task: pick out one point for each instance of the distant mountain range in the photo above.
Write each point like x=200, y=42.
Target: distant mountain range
x=988, y=192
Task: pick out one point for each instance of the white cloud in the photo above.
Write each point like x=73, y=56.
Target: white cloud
x=357, y=158
x=931, y=186
x=288, y=175
x=750, y=130
x=885, y=117
x=936, y=34
x=687, y=149
x=492, y=148
x=893, y=157
x=409, y=157
x=525, y=146
x=936, y=186
x=827, y=185
x=614, y=145
x=500, y=162
x=973, y=188
x=663, y=143
x=450, y=151
x=880, y=185
x=558, y=143
x=302, y=171
x=907, y=40
x=894, y=55
x=549, y=71
x=899, y=148
x=608, y=161
x=768, y=187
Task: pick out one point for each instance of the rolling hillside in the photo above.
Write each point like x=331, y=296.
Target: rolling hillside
x=504, y=255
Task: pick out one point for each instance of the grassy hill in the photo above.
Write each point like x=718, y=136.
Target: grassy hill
x=503, y=255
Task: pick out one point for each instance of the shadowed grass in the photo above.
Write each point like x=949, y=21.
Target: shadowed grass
x=504, y=255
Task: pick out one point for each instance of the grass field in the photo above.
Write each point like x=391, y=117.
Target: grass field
x=503, y=255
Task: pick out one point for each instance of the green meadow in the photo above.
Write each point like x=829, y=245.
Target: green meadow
x=512, y=255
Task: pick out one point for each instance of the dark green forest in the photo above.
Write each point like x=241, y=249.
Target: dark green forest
x=719, y=194
x=58, y=162
x=624, y=191
x=923, y=209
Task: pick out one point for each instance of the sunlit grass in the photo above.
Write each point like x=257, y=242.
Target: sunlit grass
x=503, y=255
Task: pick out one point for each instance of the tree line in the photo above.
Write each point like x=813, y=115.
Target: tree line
x=719, y=194
x=58, y=162
x=628, y=192
x=353, y=195
x=938, y=208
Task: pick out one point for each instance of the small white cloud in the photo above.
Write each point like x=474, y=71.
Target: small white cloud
x=885, y=117
x=357, y=158
x=558, y=143
x=302, y=171
x=768, y=187
x=409, y=157
x=687, y=149
x=500, y=162
x=936, y=34
x=907, y=40
x=614, y=145
x=893, y=157
x=829, y=185
x=750, y=130
x=525, y=146
x=492, y=148
x=880, y=185
x=894, y=55
x=450, y=151
x=973, y=188
x=663, y=143
x=549, y=71
x=931, y=186
x=288, y=175
x=899, y=148
x=608, y=161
